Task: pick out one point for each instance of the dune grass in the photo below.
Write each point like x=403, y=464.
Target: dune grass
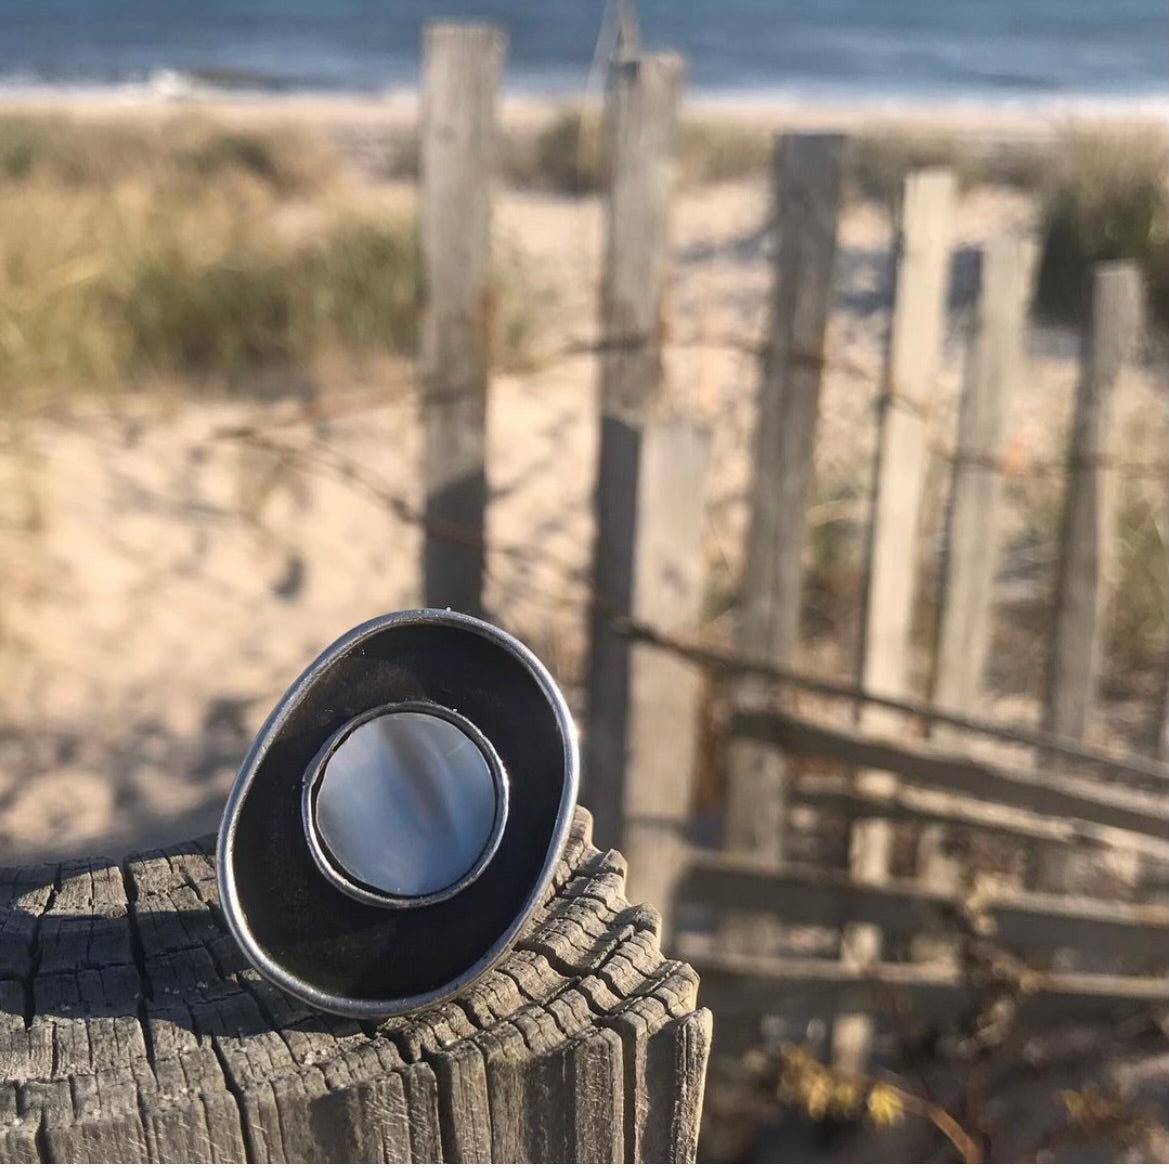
x=180, y=152
x=144, y=287
x=139, y=253
x=1102, y=193
x=1107, y=198
x=567, y=155
x=878, y=163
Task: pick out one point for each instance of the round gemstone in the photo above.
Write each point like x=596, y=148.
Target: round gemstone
x=407, y=804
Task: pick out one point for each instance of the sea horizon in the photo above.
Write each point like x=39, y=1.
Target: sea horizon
x=1096, y=54
x=172, y=87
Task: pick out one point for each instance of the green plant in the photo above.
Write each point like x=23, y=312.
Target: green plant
x=1108, y=201
x=877, y=164
x=199, y=255
x=187, y=150
x=356, y=288
x=565, y=156
x=517, y=315
x=720, y=151
x=1139, y=611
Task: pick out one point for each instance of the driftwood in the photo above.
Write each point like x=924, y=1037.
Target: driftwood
x=131, y=1030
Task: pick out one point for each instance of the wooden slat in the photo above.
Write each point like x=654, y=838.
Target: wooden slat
x=992, y=371
x=970, y=548
x=1142, y=771
x=664, y=690
x=461, y=70
x=641, y=115
x=1086, y=539
x=922, y=806
x=1102, y=803
x=737, y=987
x=806, y=194
x=1110, y=341
x=812, y=895
x=915, y=350
x=914, y=354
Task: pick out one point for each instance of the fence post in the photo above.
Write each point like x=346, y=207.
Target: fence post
x=1110, y=340
x=641, y=115
x=664, y=690
x=1109, y=344
x=915, y=343
x=992, y=369
x=971, y=539
x=461, y=68
x=806, y=193
x=165, y=1056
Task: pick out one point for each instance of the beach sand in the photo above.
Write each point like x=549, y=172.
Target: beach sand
x=165, y=579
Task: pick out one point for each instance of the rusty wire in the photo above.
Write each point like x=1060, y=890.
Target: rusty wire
x=691, y=647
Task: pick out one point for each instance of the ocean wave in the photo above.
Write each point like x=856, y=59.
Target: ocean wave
x=166, y=84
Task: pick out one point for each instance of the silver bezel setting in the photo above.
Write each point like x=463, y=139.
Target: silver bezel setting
x=332, y=869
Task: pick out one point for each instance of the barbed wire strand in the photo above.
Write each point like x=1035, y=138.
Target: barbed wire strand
x=410, y=391
x=691, y=648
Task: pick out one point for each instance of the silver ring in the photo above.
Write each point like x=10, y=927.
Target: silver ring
x=299, y=915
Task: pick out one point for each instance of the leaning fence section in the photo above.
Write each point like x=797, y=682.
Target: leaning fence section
x=894, y=935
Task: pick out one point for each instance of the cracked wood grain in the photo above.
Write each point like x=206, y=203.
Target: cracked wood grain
x=131, y=1029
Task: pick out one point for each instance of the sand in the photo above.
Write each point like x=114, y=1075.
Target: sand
x=165, y=580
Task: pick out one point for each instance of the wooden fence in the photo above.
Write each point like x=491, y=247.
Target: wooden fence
x=891, y=765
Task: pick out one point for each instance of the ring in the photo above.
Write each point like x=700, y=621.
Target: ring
x=399, y=816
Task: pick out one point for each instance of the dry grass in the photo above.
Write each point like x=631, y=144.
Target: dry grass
x=711, y=152
x=1138, y=612
x=879, y=163
x=566, y=156
x=180, y=153
x=1106, y=198
x=134, y=254
x=1104, y=194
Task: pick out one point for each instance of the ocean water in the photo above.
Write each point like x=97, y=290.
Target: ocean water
x=916, y=50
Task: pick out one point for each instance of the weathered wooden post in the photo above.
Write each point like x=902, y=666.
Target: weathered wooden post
x=641, y=116
x=992, y=371
x=806, y=194
x=1109, y=345
x=664, y=690
x=1110, y=339
x=915, y=344
x=131, y=1029
x=971, y=537
x=461, y=68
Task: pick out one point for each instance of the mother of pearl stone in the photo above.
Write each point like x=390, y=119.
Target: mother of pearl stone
x=407, y=804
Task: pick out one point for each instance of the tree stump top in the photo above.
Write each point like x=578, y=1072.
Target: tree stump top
x=131, y=1029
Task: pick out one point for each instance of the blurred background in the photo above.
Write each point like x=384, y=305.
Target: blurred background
x=246, y=403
